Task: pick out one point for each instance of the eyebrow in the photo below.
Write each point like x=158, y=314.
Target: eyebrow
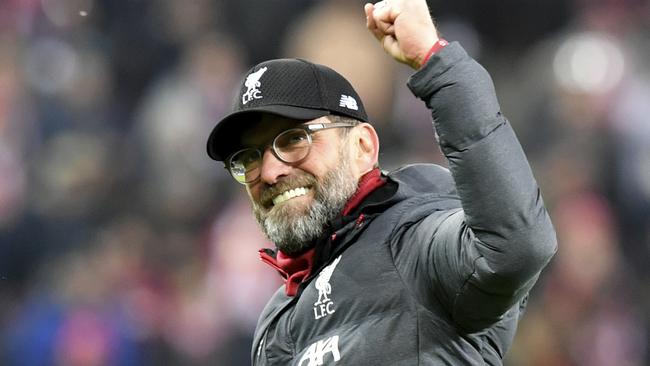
x=268, y=134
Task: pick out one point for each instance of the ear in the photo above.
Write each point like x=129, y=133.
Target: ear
x=365, y=147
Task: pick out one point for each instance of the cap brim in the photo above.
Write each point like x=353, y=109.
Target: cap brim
x=224, y=138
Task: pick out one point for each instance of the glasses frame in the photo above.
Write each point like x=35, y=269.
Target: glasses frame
x=309, y=128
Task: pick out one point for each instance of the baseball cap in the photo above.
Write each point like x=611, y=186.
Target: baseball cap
x=290, y=87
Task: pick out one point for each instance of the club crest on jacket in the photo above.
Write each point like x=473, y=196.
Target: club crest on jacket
x=324, y=306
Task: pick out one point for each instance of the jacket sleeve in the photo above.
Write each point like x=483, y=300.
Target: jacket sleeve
x=486, y=257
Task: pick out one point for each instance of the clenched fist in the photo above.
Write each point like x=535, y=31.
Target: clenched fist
x=404, y=28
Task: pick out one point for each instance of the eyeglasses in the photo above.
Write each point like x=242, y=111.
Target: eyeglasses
x=290, y=146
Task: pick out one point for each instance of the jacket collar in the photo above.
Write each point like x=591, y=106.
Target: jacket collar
x=377, y=191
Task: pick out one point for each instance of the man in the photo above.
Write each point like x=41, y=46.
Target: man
x=420, y=266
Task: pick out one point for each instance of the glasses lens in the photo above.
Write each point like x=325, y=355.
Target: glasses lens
x=292, y=145
x=245, y=165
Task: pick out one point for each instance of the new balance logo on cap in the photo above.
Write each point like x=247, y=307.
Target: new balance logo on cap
x=253, y=83
x=348, y=102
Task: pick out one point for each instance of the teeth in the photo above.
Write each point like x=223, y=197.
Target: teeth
x=289, y=194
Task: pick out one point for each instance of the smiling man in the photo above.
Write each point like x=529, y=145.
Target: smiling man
x=419, y=266
x=295, y=212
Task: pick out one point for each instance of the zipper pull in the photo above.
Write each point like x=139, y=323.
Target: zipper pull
x=359, y=221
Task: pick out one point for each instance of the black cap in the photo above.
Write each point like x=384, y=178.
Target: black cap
x=292, y=88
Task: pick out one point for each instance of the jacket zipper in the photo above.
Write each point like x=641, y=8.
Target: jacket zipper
x=260, y=348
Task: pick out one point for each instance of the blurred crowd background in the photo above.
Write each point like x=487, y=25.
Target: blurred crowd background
x=122, y=243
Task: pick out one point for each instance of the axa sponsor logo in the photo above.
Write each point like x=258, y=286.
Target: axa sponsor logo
x=324, y=306
x=318, y=352
x=253, y=84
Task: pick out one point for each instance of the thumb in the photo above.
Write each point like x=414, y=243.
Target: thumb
x=391, y=46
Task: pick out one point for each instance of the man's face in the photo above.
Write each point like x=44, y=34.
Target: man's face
x=294, y=202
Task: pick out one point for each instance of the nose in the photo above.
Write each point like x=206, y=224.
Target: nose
x=272, y=168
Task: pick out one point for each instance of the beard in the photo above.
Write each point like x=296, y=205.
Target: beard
x=295, y=228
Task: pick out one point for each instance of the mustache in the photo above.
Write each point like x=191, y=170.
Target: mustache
x=266, y=198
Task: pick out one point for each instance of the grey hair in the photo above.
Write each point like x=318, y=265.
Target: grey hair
x=345, y=131
x=335, y=118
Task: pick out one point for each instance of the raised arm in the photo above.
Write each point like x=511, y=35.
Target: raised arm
x=486, y=257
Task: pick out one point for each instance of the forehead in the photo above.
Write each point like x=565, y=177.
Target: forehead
x=265, y=128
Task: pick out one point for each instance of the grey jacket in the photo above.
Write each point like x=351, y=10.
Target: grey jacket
x=438, y=268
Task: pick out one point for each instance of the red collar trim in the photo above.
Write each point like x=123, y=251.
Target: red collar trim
x=293, y=269
x=368, y=183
